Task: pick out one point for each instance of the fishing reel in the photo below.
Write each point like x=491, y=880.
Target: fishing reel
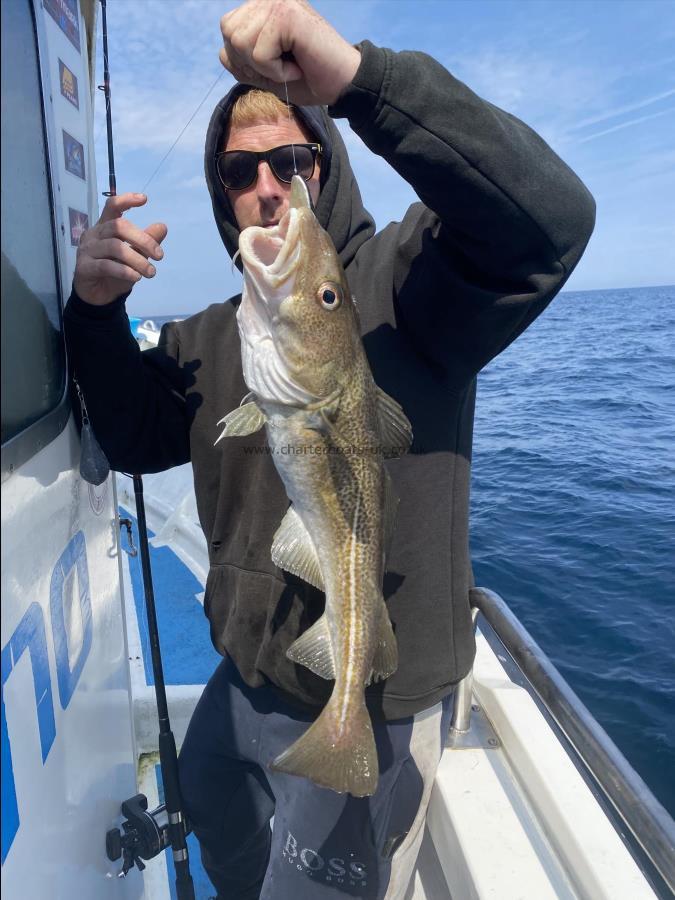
x=143, y=835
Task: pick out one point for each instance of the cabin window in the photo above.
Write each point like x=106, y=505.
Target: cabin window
x=33, y=358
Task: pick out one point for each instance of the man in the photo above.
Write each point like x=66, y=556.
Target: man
x=501, y=224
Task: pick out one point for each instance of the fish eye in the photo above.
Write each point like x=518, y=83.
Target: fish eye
x=330, y=295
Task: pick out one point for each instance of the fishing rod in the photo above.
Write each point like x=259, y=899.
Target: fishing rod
x=146, y=833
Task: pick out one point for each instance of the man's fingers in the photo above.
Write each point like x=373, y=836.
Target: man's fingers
x=157, y=231
x=238, y=66
x=247, y=74
x=242, y=17
x=139, y=239
x=253, y=38
x=118, y=251
x=109, y=268
x=117, y=206
x=267, y=55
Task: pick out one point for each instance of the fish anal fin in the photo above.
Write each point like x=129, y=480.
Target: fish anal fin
x=314, y=650
x=395, y=429
x=243, y=420
x=385, y=657
x=293, y=550
x=345, y=761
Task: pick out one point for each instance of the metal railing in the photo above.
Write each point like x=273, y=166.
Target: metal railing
x=645, y=818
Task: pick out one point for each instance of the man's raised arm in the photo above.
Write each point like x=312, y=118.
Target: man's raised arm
x=504, y=220
x=135, y=400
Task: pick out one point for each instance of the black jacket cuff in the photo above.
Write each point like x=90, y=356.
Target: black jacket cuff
x=79, y=307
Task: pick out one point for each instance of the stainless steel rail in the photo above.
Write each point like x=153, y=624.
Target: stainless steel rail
x=646, y=819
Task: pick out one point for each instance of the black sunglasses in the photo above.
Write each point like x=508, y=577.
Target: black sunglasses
x=238, y=169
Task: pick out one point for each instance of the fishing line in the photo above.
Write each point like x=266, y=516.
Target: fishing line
x=183, y=131
x=288, y=107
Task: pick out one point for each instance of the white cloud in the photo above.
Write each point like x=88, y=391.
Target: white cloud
x=535, y=87
x=629, y=124
x=163, y=60
x=619, y=111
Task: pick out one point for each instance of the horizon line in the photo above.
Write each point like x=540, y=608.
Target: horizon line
x=633, y=287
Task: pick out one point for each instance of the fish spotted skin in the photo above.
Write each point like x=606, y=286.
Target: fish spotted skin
x=329, y=428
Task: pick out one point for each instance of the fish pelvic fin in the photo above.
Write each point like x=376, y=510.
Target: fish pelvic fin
x=385, y=657
x=245, y=419
x=344, y=761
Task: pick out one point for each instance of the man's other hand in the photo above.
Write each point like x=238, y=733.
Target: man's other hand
x=113, y=255
x=267, y=42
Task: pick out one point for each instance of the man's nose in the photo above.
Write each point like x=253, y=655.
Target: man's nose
x=268, y=184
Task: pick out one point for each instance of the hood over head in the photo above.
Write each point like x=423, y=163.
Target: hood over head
x=339, y=208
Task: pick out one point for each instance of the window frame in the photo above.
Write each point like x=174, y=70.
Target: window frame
x=27, y=443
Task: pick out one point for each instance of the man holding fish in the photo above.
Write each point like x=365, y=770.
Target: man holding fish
x=343, y=380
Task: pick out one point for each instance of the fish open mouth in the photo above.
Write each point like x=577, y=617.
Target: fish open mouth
x=271, y=253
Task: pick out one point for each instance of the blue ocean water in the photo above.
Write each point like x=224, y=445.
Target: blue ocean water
x=573, y=507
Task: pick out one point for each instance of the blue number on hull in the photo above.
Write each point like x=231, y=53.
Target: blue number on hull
x=30, y=635
x=74, y=556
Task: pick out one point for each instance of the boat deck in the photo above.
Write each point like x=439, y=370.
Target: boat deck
x=510, y=817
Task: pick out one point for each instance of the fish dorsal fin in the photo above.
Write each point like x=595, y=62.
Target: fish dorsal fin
x=385, y=658
x=245, y=419
x=314, y=650
x=395, y=430
x=293, y=550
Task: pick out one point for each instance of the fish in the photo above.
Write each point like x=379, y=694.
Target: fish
x=329, y=429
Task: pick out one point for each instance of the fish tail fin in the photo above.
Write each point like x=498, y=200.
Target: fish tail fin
x=344, y=762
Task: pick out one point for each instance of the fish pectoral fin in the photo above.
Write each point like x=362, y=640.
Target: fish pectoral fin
x=395, y=429
x=293, y=550
x=243, y=420
x=314, y=650
x=385, y=658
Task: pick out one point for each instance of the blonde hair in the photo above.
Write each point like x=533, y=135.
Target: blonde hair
x=257, y=106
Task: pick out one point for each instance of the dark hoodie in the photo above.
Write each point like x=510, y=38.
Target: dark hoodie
x=501, y=224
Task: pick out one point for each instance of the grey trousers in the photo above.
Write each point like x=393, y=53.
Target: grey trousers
x=323, y=844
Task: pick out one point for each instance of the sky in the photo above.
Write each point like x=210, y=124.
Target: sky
x=595, y=78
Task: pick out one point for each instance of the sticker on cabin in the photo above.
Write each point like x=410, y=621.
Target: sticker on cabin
x=79, y=222
x=74, y=154
x=66, y=16
x=68, y=83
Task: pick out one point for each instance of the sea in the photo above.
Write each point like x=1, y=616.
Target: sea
x=573, y=506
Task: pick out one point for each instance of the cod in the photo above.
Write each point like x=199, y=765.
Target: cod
x=329, y=429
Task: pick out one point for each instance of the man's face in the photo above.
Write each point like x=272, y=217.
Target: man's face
x=266, y=200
